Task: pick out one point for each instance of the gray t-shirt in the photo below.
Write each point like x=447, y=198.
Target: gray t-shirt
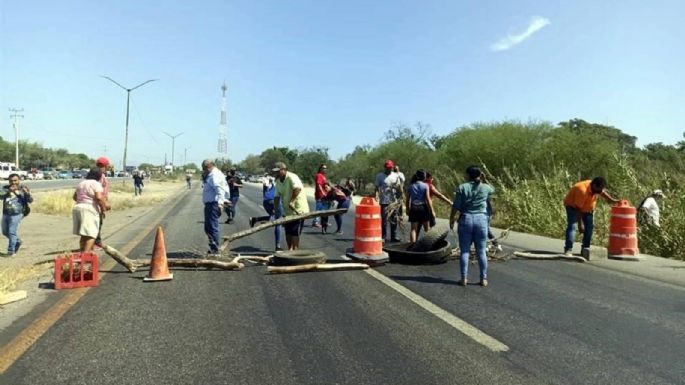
x=388, y=186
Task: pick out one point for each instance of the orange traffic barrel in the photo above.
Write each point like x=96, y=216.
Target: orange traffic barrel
x=368, y=235
x=623, y=232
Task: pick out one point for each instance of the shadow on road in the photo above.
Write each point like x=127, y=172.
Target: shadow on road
x=424, y=279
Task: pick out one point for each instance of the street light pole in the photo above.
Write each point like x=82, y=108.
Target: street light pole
x=128, y=102
x=185, y=156
x=15, y=115
x=173, y=141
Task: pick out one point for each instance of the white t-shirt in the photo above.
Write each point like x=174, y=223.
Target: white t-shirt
x=388, y=186
x=652, y=209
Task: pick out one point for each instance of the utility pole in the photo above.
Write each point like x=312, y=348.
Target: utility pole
x=173, y=141
x=15, y=114
x=128, y=102
x=185, y=156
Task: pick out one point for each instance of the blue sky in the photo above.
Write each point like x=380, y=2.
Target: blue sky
x=331, y=73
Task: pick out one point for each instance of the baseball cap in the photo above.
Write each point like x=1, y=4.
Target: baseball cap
x=389, y=164
x=278, y=166
x=658, y=192
x=102, y=162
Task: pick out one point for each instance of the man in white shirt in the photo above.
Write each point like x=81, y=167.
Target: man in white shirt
x=214, y=193
x=649, y=209
x=389, y=190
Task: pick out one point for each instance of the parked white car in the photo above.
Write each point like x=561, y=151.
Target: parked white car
x=37, y=175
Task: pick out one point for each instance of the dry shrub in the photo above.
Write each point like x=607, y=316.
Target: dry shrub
x=534, y=205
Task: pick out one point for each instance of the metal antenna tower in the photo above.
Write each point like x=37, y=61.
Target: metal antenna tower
x=222, y=145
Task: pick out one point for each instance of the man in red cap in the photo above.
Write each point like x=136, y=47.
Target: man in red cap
x=389, y=190
x=103, y=163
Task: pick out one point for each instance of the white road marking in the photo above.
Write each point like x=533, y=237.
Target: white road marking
x=452, y=320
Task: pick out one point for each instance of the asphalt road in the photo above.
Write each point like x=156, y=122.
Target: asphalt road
x=563, y=323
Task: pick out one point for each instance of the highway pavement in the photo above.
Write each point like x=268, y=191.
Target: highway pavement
x=539, y=322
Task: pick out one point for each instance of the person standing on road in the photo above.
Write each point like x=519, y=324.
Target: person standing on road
x=648, y=211
x=89, y=209
x=490, y=212
x=189, y=178
x=580, y=204
x=419, y=205
x=342, y=199
x=469, y=210
x=434, y=192
x=269, y=194
x=349, y=186
x=320, y=195
x=15, y=200
x=103, y=163
x=289, y=191
x=234, y=186
x=389, y=194
x=214, y=192
x=137, y=183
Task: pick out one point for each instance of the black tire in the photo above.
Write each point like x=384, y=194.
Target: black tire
x=298, y=257
x=398, y=253
x=431, y=239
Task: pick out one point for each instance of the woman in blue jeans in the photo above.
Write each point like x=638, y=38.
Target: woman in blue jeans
x=15, y=198
x=470, y=206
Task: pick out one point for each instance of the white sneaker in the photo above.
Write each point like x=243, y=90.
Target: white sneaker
x=568, y=253
x=498, y=247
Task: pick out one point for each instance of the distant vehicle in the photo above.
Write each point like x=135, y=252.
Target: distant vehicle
x=6, y=169
x=49, y=173
x=64, y=174
x=36, y=175
x=122, y=174
x=78, y=174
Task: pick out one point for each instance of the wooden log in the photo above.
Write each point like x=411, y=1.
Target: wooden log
x=290, y=218
x=12, y=296
x=550, y=256
x=130, y=264
x=316, y=267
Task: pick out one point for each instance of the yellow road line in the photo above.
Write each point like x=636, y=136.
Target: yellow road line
x=24, y=340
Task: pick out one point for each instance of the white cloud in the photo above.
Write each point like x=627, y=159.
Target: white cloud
x=536, y=24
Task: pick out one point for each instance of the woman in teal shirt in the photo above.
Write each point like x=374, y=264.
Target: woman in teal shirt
x=470, y=202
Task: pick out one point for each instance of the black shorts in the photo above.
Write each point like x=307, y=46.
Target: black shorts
x=294, y=229
x=419, y=214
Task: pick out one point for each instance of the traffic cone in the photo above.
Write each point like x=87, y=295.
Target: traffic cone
x=159, y=269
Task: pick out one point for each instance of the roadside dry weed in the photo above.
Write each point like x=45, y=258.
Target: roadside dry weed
x=12, y=276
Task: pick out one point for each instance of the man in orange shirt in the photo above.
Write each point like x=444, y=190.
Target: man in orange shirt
x=580, y=203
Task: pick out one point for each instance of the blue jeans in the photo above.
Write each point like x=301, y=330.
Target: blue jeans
x=230, y=210
x=137, y=189
x=269, y=207
x=189, y=185
x=473, y=228
x=320, y=205
x=10, y=225
x=212, y=215
x=338, y=217
x=571, y=225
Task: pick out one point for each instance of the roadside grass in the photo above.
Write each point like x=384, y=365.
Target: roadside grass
x=60, y=202
x=12, y=276
x=535, y=205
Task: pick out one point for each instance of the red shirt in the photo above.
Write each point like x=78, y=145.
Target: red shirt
x=320, y=182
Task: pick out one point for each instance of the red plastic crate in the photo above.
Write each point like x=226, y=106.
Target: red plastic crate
x=76, y=270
